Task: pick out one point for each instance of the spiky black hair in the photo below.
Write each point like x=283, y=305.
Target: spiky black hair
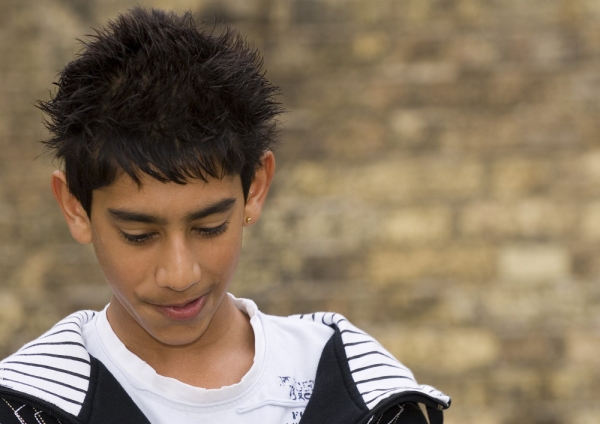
x=153, y=93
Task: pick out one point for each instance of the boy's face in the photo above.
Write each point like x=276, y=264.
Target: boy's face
x=168, y=251
x=168, y=264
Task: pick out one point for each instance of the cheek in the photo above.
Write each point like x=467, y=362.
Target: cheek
x=120, y=279
x=222, y=257
x=121, y=269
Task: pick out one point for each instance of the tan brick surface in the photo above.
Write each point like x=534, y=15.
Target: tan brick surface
x=395, y=266
x=534, y=263
x=439, y=183
x=417, y=225
x=461, y=351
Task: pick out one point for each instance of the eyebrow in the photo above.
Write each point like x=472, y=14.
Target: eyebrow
x=129, y=216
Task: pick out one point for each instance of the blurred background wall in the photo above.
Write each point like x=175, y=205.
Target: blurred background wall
x=439, y=184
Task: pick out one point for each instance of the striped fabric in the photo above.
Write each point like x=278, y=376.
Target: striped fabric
x=375, y=371
x=55, y=367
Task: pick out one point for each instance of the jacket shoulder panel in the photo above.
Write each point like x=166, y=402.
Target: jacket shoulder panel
x=333, y=400
x=55, y=367
x=16, y=412
x=107, y=400
x=375, y=373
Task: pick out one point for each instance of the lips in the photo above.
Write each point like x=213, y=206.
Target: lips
x=184, y=311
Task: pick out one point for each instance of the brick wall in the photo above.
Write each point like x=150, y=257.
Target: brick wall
x=439, y=184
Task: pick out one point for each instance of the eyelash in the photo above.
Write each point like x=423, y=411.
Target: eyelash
x=137, y=239
x=140, y=239
x=214, y=231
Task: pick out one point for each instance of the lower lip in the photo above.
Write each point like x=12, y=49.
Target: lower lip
x=185, y=312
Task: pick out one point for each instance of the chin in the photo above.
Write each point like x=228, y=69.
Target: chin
x=179, y=335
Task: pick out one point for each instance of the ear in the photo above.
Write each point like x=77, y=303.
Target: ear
x=76, y=217
x=259, y=188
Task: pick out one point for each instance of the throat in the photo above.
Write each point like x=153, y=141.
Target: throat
x=222, y=361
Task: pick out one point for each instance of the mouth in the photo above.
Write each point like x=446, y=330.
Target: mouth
x=184, y=311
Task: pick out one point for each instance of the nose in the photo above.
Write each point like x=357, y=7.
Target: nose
x=177, y=267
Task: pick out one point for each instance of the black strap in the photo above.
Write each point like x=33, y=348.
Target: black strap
x=107, y=401
x=436, y=416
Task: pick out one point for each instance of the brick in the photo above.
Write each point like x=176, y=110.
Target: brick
x=582, y=348
x=586, y=415
x=517, y=177
x=310, y=178
x=30, y=277
x=531, y=349
x=574, y=382
x=508, y=88
x=472, y=11
x=292, y=56
x=550, y=49
x=485, y=219
x=341, y=224
x=240, y=9
x=531, y=218
x=523, y=128
x=420, y=179
x=590, y=167
x=12, y=314
x=590, y=222
x=95, y=294
x=534, y=263
x=367, y=14
x=369, y=46
x=417, y=11
x=423, y=73
x=469, y=262
x=474, y=415
x=517, y=382
x=476, y=392
x=474, y=51
x=417, y=225
x=573, y=181
x=539, y=217
x=459, y=350
x=519, y=305
x=588, y=35
x=387, y=181
x=409, y=126
x=354, y=139
x=459, y=305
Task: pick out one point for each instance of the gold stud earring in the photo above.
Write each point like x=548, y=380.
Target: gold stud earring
x=248, y=220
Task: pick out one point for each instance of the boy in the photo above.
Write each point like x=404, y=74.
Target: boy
x=166, y=135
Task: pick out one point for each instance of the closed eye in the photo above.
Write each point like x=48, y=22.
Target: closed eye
x=137, y=239
x=212, y=231
x=141, y=239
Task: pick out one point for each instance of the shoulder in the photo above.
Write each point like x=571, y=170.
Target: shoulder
x=54, y=368
x=296, y=326
x=370, y=375
x=293, y=340
x=55, y=379
x=286, y=331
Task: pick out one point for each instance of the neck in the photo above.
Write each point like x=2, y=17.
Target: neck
x=221, y=357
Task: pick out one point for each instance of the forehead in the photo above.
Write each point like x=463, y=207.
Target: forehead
x=152, y=194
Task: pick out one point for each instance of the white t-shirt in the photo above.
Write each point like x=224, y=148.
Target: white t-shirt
x=275, y=390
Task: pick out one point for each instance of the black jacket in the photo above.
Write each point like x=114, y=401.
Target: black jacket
x=54, y=380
